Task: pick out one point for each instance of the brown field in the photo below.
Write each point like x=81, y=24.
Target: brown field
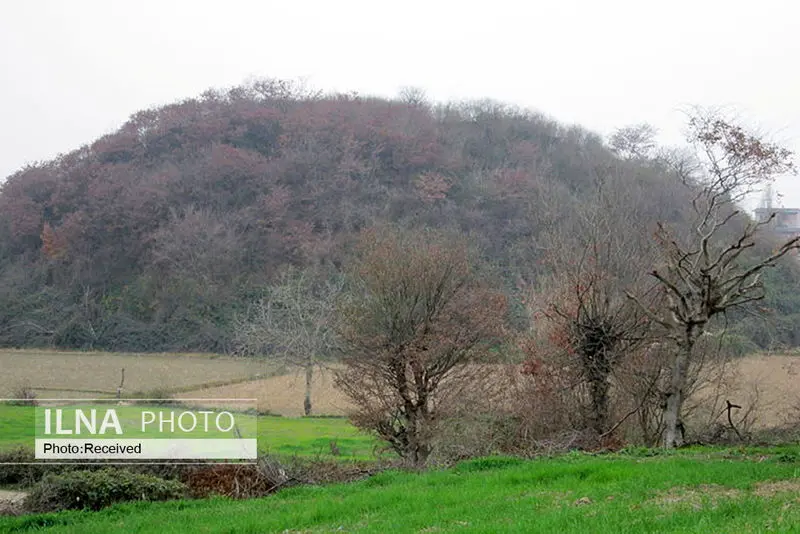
x=771, y=382
x=283, y=394
x=58, y=374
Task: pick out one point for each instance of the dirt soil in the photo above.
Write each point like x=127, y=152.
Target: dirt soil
x=11, y=502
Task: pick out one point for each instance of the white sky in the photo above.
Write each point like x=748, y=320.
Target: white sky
x=72, y=70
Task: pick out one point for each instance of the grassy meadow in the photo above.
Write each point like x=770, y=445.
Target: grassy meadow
x=318, y=437
x=695, y=491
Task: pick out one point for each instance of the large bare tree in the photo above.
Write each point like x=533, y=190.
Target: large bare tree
x=416, y=318
x=716, y=266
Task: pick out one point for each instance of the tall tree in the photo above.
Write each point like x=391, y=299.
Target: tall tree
x=712, y=269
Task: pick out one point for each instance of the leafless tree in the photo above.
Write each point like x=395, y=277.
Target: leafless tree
x=293, y=324
x=634, y=142
x=581, y=305
x=416, y=319
x=712, y=269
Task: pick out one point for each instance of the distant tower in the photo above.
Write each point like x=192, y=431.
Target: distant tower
x=766, y=200
x=765, y=210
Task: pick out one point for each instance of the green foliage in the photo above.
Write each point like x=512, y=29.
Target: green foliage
x=488, y=464
x=19, y=468
x=93, y=490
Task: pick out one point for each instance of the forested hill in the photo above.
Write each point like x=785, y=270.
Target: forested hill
x=155, y=236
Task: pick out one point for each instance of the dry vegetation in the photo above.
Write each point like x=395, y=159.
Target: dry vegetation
x=774, y=379
x=769, y=381
x=283, y=394
x=68, y=373
x=770, y=378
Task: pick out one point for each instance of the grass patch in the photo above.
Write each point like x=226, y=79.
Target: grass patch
x=313, y=436
x=573, y=493
x=323, y=437
x=17, y=426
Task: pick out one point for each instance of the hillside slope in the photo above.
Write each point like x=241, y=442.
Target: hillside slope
x=155, y=236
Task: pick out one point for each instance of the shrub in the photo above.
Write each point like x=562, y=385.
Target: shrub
x=23, y=395
x=475, y=435
x=155, y=397
x=24, y=473
x=93, y=490
x=318, y=471
x=237, y=481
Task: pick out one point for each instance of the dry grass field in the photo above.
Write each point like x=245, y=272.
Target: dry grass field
x=58, y=374
x=770, y=382
x=283, y=394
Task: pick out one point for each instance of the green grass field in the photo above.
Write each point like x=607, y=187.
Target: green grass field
x=693, y=491
x=17, y=427
x=282, y=436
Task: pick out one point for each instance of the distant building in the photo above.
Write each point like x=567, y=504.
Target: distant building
x=787, y=220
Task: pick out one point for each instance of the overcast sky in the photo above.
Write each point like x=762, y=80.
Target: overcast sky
x=72, y=70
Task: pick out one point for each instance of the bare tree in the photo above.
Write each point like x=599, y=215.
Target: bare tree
x=634, y=142
x=713, y=268
x=417, y=318
x=581, y=307
x=293, y=324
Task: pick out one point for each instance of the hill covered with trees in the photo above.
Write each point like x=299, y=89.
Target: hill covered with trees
x=158, y=236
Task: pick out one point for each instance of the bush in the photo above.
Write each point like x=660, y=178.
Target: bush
x=23, y=395
x=237, y=481
x=155, y=397
x=315, y=471
x=28, y=471
x=93, y=490
x=476, y=435
x=244, y=481
x=24, y=473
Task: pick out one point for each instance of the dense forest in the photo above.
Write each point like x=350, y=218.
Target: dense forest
x=158, y=236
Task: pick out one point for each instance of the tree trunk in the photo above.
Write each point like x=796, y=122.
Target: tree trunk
x=673, y=425
x=307, y=399
x=418, y=447
x=599, y=414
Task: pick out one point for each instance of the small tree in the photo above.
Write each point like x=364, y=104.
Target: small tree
x=709, y=271
x=293, y=324
x=634, y=142
x=417, y=318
